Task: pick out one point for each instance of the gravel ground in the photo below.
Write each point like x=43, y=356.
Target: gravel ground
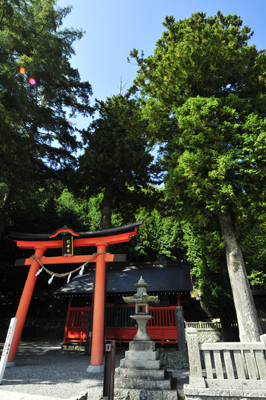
x=43, y=368
x=44, y=371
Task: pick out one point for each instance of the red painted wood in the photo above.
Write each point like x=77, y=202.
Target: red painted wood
x=94, y=241
x=64, y=231
x=68, y=319
x=25, y=302
x=98, y=318
x=161, y=330
x=98, y=310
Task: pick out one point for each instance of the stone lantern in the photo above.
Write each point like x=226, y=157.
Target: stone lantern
x=141, y=301
x=141, y=374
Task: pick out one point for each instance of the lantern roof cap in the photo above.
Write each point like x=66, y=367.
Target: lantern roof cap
x=141, y=283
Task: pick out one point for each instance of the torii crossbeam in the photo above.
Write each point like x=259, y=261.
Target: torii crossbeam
x=40, y=243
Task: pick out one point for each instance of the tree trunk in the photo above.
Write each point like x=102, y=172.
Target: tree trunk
x=247, y=317
x=5, y=208
x=107, y=208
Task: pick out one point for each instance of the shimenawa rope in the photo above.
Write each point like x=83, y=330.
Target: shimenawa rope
x=68, y=274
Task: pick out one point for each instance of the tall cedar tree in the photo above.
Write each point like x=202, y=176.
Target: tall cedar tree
x=116, y=158
x=204, y=93
x=35, y=137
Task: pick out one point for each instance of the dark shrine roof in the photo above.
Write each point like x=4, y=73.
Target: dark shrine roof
x=80, y=235
x=165, y=276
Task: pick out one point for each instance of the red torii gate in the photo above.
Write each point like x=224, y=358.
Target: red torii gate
x=40, y=243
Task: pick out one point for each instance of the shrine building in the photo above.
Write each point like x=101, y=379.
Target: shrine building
x=169, y=280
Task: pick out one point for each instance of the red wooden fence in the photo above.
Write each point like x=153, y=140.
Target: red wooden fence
x=119, y=326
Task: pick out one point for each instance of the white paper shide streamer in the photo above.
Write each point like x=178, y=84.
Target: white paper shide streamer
x=38, y=273
x=82, y=270
x=63, y=275
x=68, y=278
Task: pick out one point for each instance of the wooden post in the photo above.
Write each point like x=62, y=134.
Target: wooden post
x=89, y=332
x=67, y=319
x=98, y=312
x=109, y=370
x=25, y=302
x=195, y=378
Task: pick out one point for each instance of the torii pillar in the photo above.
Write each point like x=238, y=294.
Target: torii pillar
x=40, y=243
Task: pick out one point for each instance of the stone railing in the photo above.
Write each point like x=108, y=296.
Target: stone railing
x=204, y=325
x=225, y=370
x=207, y=331
x=210, y=332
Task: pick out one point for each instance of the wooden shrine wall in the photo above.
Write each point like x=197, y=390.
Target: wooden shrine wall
x=119, y=326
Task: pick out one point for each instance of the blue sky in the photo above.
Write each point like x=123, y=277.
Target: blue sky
x=114, y=27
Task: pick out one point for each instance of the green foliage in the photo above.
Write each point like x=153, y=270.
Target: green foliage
x=253, y=243
x=35, y=138
x=160, y=235
x=213, y=162
x=116, y=147
x=203, y=92
x=86, y=213
x=257, y=278
x=205, y=254
x=116, y=158
x=198, y=56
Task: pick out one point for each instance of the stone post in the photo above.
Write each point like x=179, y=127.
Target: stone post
x=263, y=340
x=195, y=378
x=180, y=328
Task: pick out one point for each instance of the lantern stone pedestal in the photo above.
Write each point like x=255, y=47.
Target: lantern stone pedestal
x=141, y=373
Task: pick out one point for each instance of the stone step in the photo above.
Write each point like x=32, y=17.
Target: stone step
x=135, y=383
x=137, y=394
x=156, y=374
x=141, y=364
x=141, y=355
